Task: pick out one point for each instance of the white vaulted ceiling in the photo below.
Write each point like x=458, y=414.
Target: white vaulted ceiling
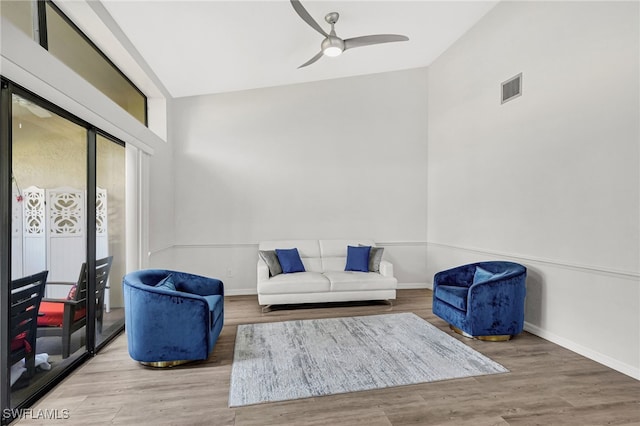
x=203, y=47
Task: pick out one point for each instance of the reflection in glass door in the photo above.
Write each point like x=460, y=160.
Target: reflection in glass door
x=110, y=235
x=49, y=175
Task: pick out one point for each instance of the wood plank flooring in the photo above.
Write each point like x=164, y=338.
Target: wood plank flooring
x=546, y=385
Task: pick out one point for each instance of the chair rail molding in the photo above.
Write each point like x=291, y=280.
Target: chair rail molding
x=250, y=245
x=631, y=275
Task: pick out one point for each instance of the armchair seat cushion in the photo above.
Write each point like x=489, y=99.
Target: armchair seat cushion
x=453, y=295
x=53, y=313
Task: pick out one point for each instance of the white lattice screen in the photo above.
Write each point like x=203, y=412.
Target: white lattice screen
x=49, y=233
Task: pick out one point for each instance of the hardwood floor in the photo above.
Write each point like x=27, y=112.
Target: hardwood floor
x=546, y=385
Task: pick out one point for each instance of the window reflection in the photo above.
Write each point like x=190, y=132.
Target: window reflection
x=110, y=231
x=48, y=232
x=49, y=236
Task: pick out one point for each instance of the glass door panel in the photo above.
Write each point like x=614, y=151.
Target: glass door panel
x=49, y=171
x=110, y=232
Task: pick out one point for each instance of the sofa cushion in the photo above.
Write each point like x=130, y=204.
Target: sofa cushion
x=290, y=260
x=300, y=282
x=334, y=263
x=453, y=295
x=355, y=281
x=358, y=258
x=271, y=259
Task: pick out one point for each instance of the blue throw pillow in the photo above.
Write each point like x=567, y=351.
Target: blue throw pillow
x=167, y=283
x=358, y=258
x=290, y=260
x=483, y=275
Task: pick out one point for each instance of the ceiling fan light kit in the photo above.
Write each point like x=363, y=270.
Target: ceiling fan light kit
x=332, y=45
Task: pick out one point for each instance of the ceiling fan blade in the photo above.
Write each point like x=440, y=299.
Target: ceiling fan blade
x=350, y=43
x=299, y=8
x=312, y=60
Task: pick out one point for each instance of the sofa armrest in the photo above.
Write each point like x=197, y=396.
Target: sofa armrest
x=386, y=268
x=263, y=270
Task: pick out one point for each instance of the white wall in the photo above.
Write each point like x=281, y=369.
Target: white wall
x=342, y=158
x=550, y=179
x=160, y=201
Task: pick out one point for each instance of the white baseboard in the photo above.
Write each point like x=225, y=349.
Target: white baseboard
x=240, y=291
x=408, y=286
x=629, y=370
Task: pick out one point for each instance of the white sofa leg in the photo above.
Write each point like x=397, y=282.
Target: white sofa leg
x=266, y=309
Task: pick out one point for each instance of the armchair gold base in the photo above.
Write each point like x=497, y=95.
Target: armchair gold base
x=496, y=338
x=163, y=364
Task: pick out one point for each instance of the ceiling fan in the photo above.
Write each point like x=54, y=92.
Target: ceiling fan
x=332, y=45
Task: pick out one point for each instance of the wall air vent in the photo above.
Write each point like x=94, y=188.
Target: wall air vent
x=512, y=88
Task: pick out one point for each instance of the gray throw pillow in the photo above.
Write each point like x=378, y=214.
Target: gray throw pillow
x=375, y=256
x=271, y=259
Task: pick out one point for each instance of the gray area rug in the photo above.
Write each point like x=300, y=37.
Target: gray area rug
x=301, y=359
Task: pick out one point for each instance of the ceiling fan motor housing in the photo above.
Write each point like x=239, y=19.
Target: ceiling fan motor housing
x=332, y=46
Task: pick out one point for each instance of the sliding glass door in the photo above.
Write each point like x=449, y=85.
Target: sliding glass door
x=66, y=194
x=49, y=182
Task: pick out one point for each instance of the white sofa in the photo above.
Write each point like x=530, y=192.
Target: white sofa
x=325, y=279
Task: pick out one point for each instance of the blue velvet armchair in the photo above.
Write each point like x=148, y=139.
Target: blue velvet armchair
x=171, y=317
x=484, y=300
